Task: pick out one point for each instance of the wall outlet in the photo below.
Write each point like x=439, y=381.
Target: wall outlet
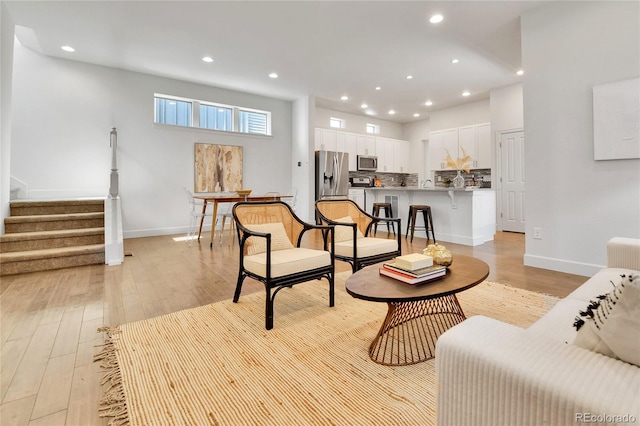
x=537, y=233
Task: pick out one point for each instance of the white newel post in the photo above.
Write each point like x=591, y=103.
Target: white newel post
x=113, y=189
x=114, y=245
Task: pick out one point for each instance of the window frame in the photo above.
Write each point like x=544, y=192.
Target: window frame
x=195, y=115
x=374, y=127
x=340, y=121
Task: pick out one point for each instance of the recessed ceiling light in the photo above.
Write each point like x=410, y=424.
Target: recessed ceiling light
x=428, y=103
x=378, y=88
x=344, y=98
x=391, y=112
x=455, y=61
x=416, y=115
x=520, y=72
x=466, y=93
x=370, y=112
x=207, y=59
x=273, y=75
x=68, y=49
x=409, y=77
x=436, y=19
x=364, y=106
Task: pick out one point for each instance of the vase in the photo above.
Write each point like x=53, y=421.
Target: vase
x=458, y=181
x=440, y=254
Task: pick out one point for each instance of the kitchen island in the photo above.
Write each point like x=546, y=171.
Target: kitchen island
x=463, y=216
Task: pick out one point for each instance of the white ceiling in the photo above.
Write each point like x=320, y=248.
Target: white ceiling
x=324, y=49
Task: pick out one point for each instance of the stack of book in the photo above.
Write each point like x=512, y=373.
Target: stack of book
x=413, y=270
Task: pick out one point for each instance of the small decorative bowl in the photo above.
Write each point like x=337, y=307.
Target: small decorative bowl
x=244, y=192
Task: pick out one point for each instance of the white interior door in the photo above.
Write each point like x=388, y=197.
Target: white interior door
x=512, y=192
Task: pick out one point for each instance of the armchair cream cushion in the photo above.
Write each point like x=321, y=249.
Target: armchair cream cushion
x=366, y=246
x=345, y=233
x=279, y=238
x=286, y=262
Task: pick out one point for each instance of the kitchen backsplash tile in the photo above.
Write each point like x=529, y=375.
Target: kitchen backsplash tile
x=482, y=176
x=390, y=179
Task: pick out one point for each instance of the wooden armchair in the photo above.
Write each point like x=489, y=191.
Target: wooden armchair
x=352, y=229
x=269, y=235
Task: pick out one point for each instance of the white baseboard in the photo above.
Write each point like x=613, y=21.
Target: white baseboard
x=140, y=233
x=461, y=239
x=562, y=265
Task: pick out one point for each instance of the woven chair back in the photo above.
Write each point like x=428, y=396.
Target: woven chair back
x=337, y=209
x=256, y=213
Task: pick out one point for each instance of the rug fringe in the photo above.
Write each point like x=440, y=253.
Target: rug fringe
x=113, y=403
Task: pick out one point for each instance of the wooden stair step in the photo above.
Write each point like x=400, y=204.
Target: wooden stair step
x=45, y=207
x=47, y=259
x=49, y=222
x=22, y=241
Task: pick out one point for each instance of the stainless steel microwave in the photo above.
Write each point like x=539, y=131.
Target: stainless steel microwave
x=367, y=163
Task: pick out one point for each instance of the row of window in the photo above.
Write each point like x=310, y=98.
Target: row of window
x=338, y=123
x=207, y=115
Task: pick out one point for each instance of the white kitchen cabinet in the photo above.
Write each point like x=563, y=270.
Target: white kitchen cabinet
x=384, y=152
x=435, y=150
x=357, y=195
x=474, y=139
x=366, y=145
x=318, y=139
x=326, y=140
x=483, y=146
x=466, y=141
x=330, y=140
x=351, y=147
x=401, y=156
x=449, y=144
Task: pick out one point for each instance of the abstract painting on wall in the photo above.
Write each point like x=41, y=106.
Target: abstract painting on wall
x=218, y=168
x=616, y=120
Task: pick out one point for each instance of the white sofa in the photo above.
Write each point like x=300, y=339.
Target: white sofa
x=493, y=373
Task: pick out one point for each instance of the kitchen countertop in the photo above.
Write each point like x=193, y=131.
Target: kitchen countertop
x=415, y=188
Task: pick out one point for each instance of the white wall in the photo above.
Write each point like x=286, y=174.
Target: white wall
x=462, y=115
x=63, y=112
x=358, y=123
x=506, y=105
x=416, y=132
x=6, y=78
x=568, y=47
x=302, y=176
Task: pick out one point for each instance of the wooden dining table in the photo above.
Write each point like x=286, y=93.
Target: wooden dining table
x=231, y=198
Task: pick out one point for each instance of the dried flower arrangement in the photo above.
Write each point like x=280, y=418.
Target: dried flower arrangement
x=461, y=163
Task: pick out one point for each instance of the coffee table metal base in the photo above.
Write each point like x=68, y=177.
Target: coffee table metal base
x=410, y=330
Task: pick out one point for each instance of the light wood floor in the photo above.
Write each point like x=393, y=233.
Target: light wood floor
x=49, y=320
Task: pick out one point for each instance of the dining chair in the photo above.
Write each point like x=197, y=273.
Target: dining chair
x=225, y=212
x=270, y=236
x=292, y=201
x=196, y=214
x=352, y=229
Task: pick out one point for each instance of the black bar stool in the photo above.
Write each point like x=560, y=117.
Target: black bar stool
x=428, y=221
x=388, y=212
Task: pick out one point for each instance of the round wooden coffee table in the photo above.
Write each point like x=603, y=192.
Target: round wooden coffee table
x=417, y=314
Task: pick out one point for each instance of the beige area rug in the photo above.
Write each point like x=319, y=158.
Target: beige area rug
x=217, y=365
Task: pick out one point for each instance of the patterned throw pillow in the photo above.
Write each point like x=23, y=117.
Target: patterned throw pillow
x=611, y=324
x=279, y=238
x=345, y=233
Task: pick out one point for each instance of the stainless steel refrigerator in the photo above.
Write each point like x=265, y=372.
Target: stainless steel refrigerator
x=332, y=174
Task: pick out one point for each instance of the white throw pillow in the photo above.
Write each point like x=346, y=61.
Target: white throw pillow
x=610, y=325
x=345, y=233
x=279, y=238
